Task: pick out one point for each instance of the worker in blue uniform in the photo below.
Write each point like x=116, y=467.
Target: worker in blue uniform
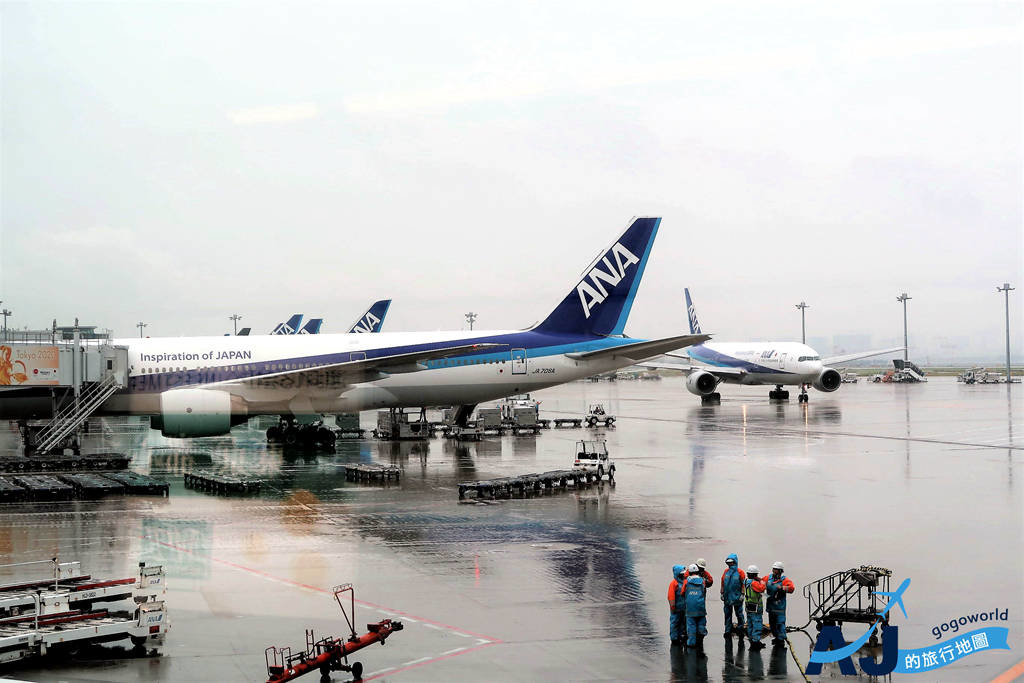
x=776, y=587
x=696, y=610
x=676, y=606
x=731, y=591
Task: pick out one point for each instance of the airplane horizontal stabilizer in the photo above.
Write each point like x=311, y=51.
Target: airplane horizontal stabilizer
x=846, y=358
x=642, y=350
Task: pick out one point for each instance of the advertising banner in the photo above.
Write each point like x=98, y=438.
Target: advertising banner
x=29, y=365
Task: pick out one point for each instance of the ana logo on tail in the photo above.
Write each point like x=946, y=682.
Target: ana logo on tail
x=368, y=322
x=591, y=296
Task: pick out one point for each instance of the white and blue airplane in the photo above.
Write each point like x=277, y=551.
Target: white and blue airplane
x=756, y=363
x=201, y=386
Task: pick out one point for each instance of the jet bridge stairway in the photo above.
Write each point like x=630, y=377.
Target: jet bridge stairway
x=63, y=428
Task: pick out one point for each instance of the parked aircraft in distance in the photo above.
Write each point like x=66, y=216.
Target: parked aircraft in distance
x=370, y=321
x=753, y=363
x=373, y=319
x=290, y=326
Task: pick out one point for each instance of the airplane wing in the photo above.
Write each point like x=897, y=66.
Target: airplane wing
x=642, y=350
x=338, y=375
x=833, y=360
x=722, y=372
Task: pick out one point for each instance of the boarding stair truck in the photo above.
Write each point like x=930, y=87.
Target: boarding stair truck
x=848, y=377
x=596, y=414
x=592, y=458
x=905, y=371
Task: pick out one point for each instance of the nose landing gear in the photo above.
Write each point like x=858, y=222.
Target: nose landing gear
x=803, y=398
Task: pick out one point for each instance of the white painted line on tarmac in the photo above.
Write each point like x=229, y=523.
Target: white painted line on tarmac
x=417, y=661
x=434, y=627
x=451, y=652
x=461, y=634
x=415, y=621
x=378, y=672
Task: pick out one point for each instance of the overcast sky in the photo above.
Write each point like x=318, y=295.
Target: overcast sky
x=179, y=162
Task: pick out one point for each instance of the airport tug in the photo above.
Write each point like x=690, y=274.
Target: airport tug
x=328, y=654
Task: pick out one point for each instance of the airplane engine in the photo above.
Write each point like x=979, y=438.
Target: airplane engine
x=828, y=380
x=701, y=383
x=198, y=412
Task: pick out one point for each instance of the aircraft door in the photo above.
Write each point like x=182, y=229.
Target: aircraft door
x=518, y=361
x=782, y=361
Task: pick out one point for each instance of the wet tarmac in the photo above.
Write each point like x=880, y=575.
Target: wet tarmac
x=923, y=479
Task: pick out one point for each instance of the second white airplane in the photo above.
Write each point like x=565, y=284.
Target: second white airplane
x=756, y=363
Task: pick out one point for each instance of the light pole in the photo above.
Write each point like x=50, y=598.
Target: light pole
x=470, y=317
x=235, y=318
x=803, y=326
x=140, y=325
x=904, y=298
x=5, y=312
x=1006, y=289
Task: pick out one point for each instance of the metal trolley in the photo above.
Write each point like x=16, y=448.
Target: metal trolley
x=849, y=595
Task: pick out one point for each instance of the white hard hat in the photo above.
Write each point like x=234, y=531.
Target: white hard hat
x=702, y=563
x=777, y=565
x=752, y=569
x=693, y=569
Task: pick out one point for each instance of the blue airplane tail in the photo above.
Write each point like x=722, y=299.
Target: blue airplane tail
x=290, y=326
x=600, y=301
x=312, y=327
x=691, y=313
x=373, y=319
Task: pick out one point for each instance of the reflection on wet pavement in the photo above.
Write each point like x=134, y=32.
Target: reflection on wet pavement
x=567, y=585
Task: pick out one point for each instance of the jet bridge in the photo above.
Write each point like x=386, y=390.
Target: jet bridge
x=61, y=382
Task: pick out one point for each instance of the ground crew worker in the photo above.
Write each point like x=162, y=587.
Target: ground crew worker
x=676, y=606
x=702, y=571
x=696, y=610
x=777, y=586
x=753, y=587
x=732, y=594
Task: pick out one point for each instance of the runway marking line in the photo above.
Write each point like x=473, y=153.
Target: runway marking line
x=483, y=641
x=1011, y=674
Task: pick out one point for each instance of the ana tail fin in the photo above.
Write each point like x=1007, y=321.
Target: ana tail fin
x=373, y=319
x=290, y=326
x=312, y=326
x=691, y=313
x=600, y=301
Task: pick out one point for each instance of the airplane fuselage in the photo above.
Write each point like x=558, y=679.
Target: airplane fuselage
x=529, y=361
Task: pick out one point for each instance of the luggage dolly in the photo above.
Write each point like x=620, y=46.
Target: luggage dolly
x=328, y=654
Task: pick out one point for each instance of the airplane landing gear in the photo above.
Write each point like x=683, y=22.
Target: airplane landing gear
x=779, y=394
x=803, y=398
x=712, y=399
